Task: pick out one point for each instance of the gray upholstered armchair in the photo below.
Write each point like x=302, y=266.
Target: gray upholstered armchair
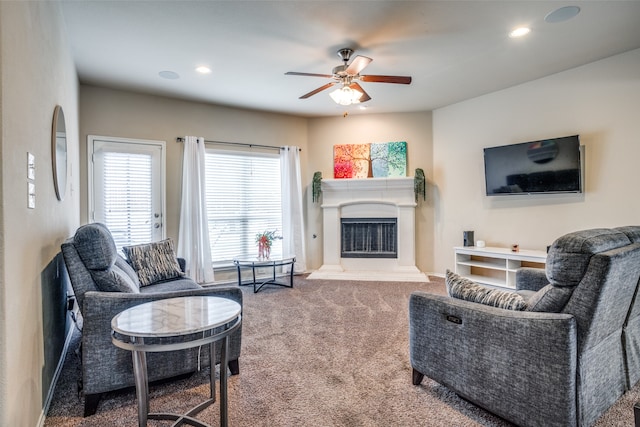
x=104, y=285
x=562, y=357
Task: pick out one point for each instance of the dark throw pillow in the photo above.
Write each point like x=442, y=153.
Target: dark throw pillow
x=114, y=280
x=550, y=299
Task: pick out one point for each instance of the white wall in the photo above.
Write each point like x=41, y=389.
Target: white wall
x=414, y=128
x=598, y=101
x=36, y=74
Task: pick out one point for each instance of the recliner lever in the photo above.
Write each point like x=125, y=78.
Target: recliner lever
x=453, y=319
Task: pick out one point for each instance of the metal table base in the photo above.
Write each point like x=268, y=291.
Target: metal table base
x=272, y=280
x=142, y=390
x=139, y=349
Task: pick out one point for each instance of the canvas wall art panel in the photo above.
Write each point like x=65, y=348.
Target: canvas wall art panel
x=389, y=159
x=351, y=161
x=379, y=163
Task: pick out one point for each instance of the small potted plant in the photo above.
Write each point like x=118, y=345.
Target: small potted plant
x=264, y=241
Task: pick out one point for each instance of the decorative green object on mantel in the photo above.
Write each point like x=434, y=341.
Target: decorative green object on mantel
x=419, y=184
x=316, y=188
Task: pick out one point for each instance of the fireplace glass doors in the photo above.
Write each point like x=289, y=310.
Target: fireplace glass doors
x=369, y=238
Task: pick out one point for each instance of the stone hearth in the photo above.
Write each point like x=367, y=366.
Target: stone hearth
x=368, y=198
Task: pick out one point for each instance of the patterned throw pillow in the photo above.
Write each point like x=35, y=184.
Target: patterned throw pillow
x=153, y=262
x=465, y=289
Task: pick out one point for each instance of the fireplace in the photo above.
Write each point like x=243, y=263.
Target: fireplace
x=369, y=209
x=368, y=238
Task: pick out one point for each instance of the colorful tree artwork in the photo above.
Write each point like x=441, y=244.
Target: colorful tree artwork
x=351, y=161
x=379, y=163
x=379, y=160
x=397, y=159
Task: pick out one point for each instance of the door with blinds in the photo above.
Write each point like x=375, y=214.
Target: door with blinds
x=127, y=187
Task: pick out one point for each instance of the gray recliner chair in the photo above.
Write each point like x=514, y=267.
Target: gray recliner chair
x=105, y=284
x=631, y=329
x=563, y=360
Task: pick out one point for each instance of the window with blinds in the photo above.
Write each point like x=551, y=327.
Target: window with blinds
x=127, y=198
x=243, y=199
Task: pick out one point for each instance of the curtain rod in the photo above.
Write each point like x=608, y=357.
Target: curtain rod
x=181, y=139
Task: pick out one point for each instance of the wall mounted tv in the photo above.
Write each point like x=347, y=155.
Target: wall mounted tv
x=536, y=167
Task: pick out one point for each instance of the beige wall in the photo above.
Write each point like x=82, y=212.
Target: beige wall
x=115, y=113
x=414, y=128
x=37, y=73
x=599, y=101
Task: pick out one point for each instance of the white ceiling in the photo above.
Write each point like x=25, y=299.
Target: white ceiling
x=454, y=50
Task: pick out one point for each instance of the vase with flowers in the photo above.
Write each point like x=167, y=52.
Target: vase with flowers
x=264, y=241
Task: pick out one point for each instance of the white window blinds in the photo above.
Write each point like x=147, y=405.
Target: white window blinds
x=243, y=199
x=127, y=197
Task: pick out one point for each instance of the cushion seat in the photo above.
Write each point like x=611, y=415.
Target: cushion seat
x=180, y=284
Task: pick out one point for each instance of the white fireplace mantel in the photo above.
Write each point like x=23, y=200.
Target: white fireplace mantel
x=368, y=198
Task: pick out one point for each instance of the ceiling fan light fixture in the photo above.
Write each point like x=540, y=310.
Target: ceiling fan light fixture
x=346, y=96
x=348, y=76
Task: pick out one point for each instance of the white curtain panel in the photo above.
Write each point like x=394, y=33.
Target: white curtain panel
x=293, y=241
x=193, y=236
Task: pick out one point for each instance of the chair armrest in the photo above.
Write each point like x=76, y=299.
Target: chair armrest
x=100, y=307
x=499, y=359
x=531, y=279
x=106, y=367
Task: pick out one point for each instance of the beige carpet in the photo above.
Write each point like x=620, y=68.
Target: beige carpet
x=325, y=353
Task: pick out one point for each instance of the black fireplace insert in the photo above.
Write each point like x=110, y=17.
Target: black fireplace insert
x=369, y=238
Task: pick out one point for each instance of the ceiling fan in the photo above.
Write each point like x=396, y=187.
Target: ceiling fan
x=348, y=76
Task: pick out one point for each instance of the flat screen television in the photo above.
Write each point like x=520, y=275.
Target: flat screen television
x=536, y=167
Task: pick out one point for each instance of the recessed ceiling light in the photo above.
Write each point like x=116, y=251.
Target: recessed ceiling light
x=519, y=32
x=363, y=107
x=562, y=14
x=171, y=75
x=203, y=70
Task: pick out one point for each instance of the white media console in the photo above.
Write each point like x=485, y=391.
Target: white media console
x=495, y=266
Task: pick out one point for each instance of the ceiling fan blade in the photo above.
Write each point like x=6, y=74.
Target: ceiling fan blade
x=357, y=65
x=365, y=96
x=293, y=73
x=405, y=80
x=320, y=89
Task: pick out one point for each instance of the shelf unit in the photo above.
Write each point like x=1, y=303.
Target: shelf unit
x=495, y=266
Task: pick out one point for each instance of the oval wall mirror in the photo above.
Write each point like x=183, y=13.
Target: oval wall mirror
x=59, y=152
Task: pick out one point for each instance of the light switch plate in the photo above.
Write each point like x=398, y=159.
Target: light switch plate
x=31, y=195
x=31, y=166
